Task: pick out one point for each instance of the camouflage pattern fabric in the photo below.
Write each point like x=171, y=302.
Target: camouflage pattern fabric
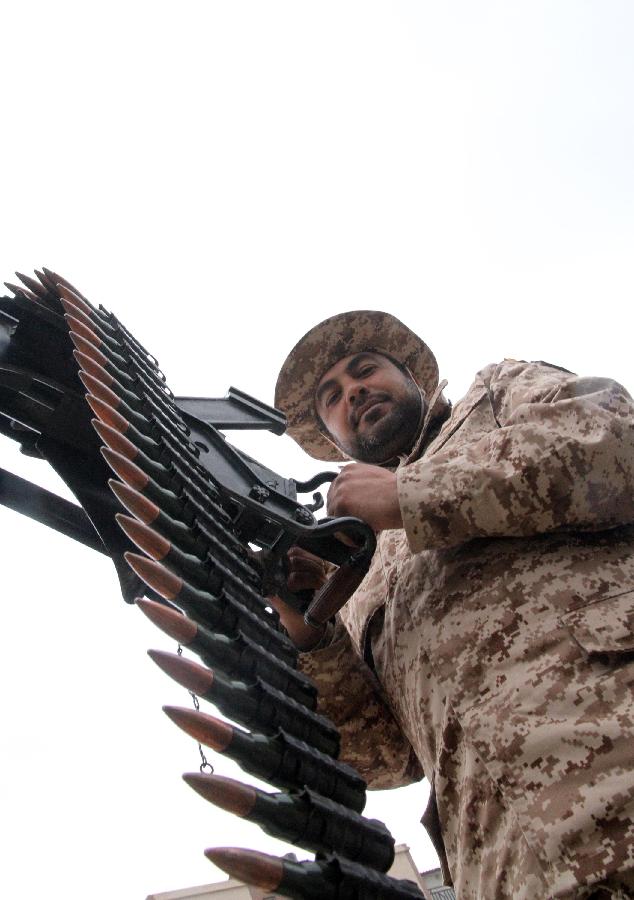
x=329, y=342
x=496, y=630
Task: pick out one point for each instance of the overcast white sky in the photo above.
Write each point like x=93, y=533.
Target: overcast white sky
x=223, y=175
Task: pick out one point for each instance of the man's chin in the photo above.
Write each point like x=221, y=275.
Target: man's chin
x=381, y=424
x=378, y=442
x=390, y=435
x=373, y=423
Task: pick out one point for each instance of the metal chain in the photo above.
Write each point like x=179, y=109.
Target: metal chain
x=205, y=766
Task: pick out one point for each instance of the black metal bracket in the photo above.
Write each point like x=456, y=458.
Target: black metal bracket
x=236, y=411
x=44, y=506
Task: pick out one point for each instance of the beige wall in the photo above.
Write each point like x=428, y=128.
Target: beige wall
x=219, y=890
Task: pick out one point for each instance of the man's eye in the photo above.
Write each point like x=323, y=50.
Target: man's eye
x=366, y=370
x=332, y=398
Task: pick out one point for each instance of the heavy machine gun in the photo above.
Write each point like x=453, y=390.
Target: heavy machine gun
x=79, y=391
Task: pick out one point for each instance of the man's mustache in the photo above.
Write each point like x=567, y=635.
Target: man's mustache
x=358, y=411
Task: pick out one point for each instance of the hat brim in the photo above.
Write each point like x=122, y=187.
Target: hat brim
x=327, y=343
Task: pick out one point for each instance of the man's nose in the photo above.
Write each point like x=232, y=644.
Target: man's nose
x=356, y=393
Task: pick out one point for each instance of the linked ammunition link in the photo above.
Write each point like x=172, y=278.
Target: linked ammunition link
x=332, y=825
x=301, y=764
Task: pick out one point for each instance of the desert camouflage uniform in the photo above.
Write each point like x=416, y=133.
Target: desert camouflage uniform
x=497, y=630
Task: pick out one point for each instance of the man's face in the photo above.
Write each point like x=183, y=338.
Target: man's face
x=370, y=407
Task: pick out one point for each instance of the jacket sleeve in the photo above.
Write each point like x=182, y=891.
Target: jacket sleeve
x=349, y=695
x=559, y=456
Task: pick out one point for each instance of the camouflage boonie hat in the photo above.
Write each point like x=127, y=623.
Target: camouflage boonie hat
x=326, y=344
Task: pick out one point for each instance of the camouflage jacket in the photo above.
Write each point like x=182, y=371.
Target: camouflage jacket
x=490, y=646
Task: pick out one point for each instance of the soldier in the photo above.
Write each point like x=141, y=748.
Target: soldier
x=491, y=644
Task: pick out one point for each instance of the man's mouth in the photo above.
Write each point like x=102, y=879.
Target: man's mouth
x=365, y=408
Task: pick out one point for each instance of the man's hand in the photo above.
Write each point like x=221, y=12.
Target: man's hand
x=368, y=492
x=305, y=572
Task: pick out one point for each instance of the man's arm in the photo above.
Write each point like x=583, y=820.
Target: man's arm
x=562, y=458
x=371, y=739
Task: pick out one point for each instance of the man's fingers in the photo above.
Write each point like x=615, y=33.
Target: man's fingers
x=367, y=492
x=303, y=636
x=337, y=504
x=314, y=567
x=305, y=573
x=342, y=491
x=298, y=553
x=305, y=564
x=304, y=581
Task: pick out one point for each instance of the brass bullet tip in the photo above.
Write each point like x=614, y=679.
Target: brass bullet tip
x=72, y=308
x=99, y=390
x=88, y=364
x=226, y=793
x=60, y=280
x=19, y=289
x=206, y=729
x=107, y=414
x=66, y=295
x=34, y=286
x=146, y=539
x=46, y=282
x=251, y=866
x=54, y=277
x=173, y=623
x=114, y=439
x=155, y=575
x=79, y=328
x=144, y=510
x=188, y=674
x=125, y=469
x=88, y=348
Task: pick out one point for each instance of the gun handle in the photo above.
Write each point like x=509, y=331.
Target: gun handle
x=298, y=600
x=336, y=592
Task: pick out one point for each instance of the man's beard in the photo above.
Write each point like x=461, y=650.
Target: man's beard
x=393, y=434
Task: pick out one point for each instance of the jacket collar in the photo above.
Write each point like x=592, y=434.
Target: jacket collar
x=436, y=413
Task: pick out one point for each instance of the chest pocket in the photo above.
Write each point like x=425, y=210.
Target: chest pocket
x=604, y=628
